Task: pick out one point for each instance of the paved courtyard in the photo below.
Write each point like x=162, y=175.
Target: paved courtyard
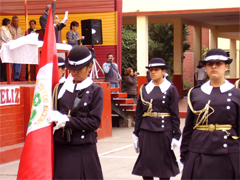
x=117, y=157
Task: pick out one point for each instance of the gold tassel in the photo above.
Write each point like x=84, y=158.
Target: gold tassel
x=149, y=111
x=204, y=111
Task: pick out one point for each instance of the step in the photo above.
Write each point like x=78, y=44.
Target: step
x=115, y=89
x=131, y=111
x=118, y=95
x=128, y=106
x=123, y=100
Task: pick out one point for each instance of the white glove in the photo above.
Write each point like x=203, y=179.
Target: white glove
x=64, y=21
x=59, y=118
x=181, y=166
x=175, y=143
x=136, y=143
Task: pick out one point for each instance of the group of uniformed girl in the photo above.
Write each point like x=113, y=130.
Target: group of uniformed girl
x=210, y=143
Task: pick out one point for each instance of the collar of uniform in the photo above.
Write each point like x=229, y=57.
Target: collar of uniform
x=163, y=87
x=62, y=80
x=84, y=84
x=69, y=85
x=207, y=88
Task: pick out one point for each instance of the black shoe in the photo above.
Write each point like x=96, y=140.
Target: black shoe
x=18, y=79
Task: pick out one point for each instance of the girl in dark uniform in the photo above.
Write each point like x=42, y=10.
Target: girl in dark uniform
x=78, y=116
x=210, y=145
x=157, y=125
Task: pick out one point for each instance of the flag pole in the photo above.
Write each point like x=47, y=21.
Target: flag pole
x=26, y=23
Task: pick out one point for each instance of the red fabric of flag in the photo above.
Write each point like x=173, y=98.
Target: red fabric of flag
x=37, y=156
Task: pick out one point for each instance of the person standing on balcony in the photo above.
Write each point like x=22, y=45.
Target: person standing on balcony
x=210, y=143
x=157, y=122
x=72, y=36
x=16, y=32
x=5, y=36
x=131, y=83
x=57, y=24
x=32, y=28
x=110, y=69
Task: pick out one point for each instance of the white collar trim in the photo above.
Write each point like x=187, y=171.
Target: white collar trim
x=163, y=87
x=207, y=88
x=69, y=85
x=62, y=80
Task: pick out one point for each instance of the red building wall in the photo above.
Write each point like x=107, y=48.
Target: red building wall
x=188, y=63
x=14, y=122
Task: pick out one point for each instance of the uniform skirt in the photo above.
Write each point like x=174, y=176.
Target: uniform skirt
x=211, y=166
x=76, y=162
x=156, y=159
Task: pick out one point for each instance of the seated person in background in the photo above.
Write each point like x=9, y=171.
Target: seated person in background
x=61, y=69
x=32, y=28
x=131, y=83
x=73, y=36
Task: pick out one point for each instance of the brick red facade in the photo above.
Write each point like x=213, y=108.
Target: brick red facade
x=188, y=66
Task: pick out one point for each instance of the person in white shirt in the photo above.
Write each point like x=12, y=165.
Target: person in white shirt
x=200, y=74
x=5, y=36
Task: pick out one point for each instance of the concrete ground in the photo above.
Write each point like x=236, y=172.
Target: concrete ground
x=117, y=157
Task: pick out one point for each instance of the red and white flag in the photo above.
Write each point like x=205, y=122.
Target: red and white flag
x=37, y=156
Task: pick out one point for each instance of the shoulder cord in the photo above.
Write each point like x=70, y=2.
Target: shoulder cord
x=204, y=111
x=54, y=96
x=237, y=83
x=116, y=71
x=149, y=111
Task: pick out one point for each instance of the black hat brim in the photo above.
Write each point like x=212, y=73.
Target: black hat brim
x=76, y=67
x=229, y=61
x=162, y=67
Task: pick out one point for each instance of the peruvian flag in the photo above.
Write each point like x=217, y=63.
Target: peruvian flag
x=37, y=156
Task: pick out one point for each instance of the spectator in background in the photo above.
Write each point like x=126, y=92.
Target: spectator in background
x=148, y=76
x=5, y=36
x=73, y=36
x=44, y=17
x=32, y=28
x=111, y=72
x=58, y=25
x=200, y=74
x=16, y=32
x=131, y=83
